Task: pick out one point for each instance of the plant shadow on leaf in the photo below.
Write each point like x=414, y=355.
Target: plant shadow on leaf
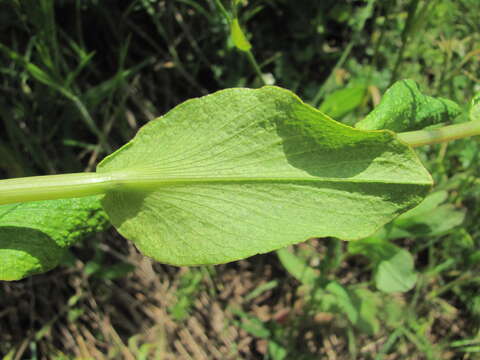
x=315, y=144
x=405, y=108
x=257, y=165
x=26, y=251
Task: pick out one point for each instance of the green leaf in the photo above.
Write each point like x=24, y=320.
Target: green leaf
x=252, y=324
x=34, y=236
x=341, y=102
x=243, y=171
x=431, y=218
x=343, y=300
x=277, y=351
x=297, y=267
x=238, y=37
x=397, y=273
x=366, y=302
x=405, y=108
x=394, y=267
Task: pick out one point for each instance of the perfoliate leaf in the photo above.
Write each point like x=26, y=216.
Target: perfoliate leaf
x=238, y=37
x=34, y=236
x=243, y=171
x=405, y=108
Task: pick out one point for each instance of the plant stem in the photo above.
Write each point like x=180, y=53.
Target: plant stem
x=50, y=187
x=223, y=11
x=444, y=134
x=255, y=66
x=412, y=9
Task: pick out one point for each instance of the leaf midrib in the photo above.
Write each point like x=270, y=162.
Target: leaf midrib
x=120, y=179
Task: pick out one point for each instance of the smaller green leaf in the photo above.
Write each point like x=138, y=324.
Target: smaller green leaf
x=405, y=108
x=297, y=267
x=366, y=303
x=277, y=351
x=396, y=274
x=394, y=267
x=431, y=218
x=429, y=204
x=341, y=102
x=34, y=236
x=252, y=324
x=343, y=300
x=374, y=247
x=186, y=294
x=238, y=37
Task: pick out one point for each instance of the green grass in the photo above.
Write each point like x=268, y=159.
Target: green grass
x=77, y=80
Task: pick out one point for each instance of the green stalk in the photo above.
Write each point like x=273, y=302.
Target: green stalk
x=52, y=187
x=444, y=134
x=412, y=10
x=255, y=66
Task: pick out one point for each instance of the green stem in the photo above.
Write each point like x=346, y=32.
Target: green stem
x=412, y=10
x=50, y=187
x=321, y=91
x=444, y=134
x=255, y=66
x=223, y=11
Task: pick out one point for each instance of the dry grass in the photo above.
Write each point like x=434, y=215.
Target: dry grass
x=66, y=314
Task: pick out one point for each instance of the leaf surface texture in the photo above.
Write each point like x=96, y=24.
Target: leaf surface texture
x=243, y=171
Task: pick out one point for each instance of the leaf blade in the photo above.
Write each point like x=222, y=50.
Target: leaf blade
x=405, y=108
x=34, y=236
x=259, y=165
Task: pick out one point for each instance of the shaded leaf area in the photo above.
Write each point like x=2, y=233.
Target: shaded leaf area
x=34, y=236
x=405, y=108
x=244, y=171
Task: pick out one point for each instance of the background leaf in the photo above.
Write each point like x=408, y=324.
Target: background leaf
x=34, y=236
x=405, y=108
x=396, y=273
x=430, y=218
x=394, y=268
x=242, y=171
x=341, y=102
x=238, y=37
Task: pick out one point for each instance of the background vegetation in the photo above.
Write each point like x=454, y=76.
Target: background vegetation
x=77, y=80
